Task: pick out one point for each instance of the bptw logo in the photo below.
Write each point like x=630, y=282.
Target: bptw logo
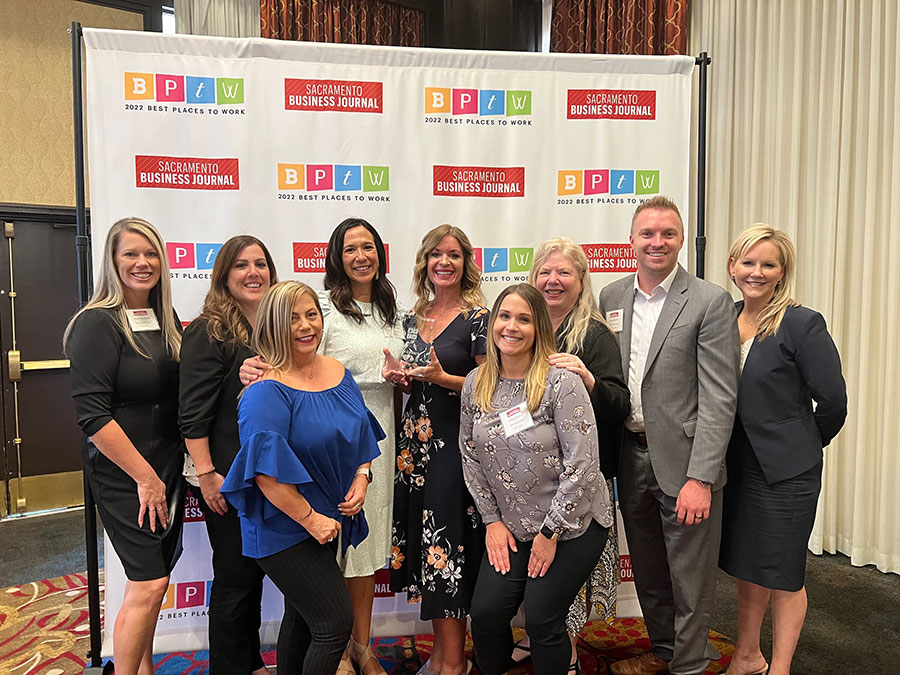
x=493, y=260
x=184, y=89
x=186, y=255
x=508, y=102
x=607, y=181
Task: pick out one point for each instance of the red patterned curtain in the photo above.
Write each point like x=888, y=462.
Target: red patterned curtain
x=370, y=22
x=651, y=27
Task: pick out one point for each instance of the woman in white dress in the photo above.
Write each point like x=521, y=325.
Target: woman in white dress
x=362, y=319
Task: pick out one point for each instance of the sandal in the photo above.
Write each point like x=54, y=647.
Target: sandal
x=364, y=658
x=345, y=667
x=522, y=648
x=574, y=667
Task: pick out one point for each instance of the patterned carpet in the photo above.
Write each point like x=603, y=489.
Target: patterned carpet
x=44, y=631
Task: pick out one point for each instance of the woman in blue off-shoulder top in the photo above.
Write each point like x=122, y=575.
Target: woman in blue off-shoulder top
x=300, y=479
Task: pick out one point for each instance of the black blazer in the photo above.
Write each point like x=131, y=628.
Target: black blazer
x=782, y=376
x=610, y=398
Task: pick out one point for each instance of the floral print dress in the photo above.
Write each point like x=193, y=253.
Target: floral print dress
x=438, y=537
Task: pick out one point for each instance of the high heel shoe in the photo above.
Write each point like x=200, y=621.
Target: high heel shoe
x=761, y=671
x=345, y=667
x=364, y=658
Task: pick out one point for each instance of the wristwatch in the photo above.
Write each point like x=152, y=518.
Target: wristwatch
x=550, y=533
x=365, y=472
x=704, y=483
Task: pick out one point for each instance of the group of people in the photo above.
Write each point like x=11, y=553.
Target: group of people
x=494, y=487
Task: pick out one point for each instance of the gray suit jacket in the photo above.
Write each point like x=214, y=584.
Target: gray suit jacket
x=689, y=391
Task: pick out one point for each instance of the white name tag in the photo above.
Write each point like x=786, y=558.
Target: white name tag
x=614, y=319
x=516, y=419
x=142, y=320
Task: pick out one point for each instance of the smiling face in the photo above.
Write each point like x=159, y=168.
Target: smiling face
x=359, y=256
x=560, y=283
x=306, y=326
x=656, y=237
x=513, y=330
x=138, y=266
x=249, y=278
x=758, y=271
x=446, y=264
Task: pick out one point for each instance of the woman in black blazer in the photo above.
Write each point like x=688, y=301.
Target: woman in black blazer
x=788, y=360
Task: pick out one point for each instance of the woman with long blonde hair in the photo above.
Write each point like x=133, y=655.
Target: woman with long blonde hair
x=531, y=463
x=788, y=361
x=123, y=348
x=437, y=535
x=586, y=346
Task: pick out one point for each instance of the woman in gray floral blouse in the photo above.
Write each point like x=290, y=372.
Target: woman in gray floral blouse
x=531, y=462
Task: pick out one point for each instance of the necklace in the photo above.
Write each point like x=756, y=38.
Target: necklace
x=311, y=371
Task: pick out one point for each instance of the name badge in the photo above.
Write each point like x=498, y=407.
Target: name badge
x=614, y=319
x=516, y=419
x=142, y=320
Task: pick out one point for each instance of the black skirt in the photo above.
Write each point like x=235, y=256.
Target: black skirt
x=766, y=527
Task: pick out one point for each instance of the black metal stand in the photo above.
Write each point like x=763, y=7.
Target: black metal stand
x=82, y=252
x=703, y=61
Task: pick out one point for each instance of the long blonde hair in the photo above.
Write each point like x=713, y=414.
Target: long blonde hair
x=272, y=339
x=110, y=294
x=585, y=307
x=470, y=284
x=770, y=318
x=488, y=375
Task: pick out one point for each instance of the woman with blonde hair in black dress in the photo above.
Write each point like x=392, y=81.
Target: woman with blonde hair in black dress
x=123, y=347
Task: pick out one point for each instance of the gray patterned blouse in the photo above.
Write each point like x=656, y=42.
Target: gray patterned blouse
x=548, y=474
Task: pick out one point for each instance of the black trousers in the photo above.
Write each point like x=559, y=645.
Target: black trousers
x=547, y=599
x=235, y=600
x=318, y=616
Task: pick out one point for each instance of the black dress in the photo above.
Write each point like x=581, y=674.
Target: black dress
x=111, y=381
x=208, y=401
x=438, y=537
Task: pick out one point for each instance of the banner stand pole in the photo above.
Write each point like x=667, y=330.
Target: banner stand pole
x=82, y=253
x=703, y=61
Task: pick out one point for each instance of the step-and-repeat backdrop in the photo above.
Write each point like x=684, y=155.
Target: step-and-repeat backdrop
x=211, y=137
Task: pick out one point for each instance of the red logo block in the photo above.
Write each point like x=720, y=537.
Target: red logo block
x=610, y=257
x=611, y=104
x=626, y=574
x=335, y=95
x=186, y=173
x=479, y=181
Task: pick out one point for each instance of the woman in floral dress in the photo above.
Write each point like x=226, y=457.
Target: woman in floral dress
x=438, y=538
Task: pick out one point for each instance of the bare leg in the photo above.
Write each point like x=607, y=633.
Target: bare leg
x=261, y=671
x=135, y=626
x=752, y=602
x=448, y=656
x=574, y=640
x=788, y=614
x=362, y=595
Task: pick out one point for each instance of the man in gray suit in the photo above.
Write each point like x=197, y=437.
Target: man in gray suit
x=680, y=349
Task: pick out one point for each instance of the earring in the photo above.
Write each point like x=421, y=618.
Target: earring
x=778, y=283
x=732, y=277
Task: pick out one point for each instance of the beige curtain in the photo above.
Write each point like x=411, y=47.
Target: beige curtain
x=804, y=133
x=225, y=18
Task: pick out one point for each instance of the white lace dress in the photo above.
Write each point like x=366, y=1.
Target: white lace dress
x=359, y=348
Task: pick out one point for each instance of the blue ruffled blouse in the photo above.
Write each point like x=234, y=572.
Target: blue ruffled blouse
x=315, y=440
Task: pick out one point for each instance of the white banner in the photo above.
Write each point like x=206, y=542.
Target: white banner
x=211, y=137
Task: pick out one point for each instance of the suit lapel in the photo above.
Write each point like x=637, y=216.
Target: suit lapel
x=627, y=315
x=675, y=301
